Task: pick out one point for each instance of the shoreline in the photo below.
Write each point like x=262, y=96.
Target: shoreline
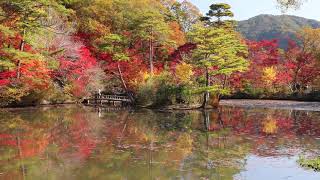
x=39, y=106
x=272, y=104
x=242, y=103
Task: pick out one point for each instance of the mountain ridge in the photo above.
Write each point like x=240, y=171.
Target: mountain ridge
x=267, y=26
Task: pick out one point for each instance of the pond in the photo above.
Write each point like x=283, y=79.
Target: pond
x=77, y=142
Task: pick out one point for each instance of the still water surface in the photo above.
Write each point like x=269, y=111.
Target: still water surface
x=76, y=142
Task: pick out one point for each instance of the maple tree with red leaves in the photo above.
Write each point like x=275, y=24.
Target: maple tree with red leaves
x=301, y=66
x=262, y=54
x=76, y=71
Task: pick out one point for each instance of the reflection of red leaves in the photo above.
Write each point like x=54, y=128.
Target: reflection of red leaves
x=4, y=82
x=81, y=137
x=32, y=148
x=77, y=139
x=285, y=124
x=26, y=145
x=251, y=124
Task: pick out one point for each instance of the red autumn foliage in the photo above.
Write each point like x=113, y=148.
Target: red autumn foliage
x=130, y=69
x=184, y=50
x=294, y=67
x=6, y=76
x=75, y=70
x=300, y=65
x=262, y=54
x=34, y=73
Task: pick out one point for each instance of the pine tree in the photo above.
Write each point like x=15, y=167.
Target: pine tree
x=217, y=13
x=219, y=52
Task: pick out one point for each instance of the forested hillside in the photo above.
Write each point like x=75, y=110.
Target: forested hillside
x=283, y=27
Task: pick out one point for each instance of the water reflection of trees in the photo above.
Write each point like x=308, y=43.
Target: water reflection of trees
x=76, y=142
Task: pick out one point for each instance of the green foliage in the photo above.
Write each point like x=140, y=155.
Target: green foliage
x=21, y=55
x=161, y=90
x=29, y=12
x=220, y=10
x=145, y=93
x=217, y=13
x=310, y=163
x=6, y=31
x=9, y=95
x=6, y=64
x=220, y=52
x=215, y=89
x=219, y=48
x=156, y=90
x=115, y=44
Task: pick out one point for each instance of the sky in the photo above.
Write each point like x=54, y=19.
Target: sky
x=245, y=9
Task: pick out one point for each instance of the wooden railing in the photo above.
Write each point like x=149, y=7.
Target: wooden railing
x=100, y=99
x=114, y=98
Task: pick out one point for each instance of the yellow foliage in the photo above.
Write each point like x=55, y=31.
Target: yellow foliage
x=184, y=73
x=145, y=78
x=140, y=79
x=269, y=75
x=270, y=126
x=184, y=141
x=183, y=146
x=310, y=38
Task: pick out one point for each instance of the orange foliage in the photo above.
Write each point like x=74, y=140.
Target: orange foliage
x=177, y=34
x=35, y=75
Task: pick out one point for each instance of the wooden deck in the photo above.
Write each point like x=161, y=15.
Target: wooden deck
x=103, y=99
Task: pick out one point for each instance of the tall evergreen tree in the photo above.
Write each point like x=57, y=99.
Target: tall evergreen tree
x=219, y=52
x=217, y=13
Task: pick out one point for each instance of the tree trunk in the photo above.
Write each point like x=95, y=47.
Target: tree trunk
x=151, y=52
x=22, y=43
x=121, y=78
x=214, y=100
x=206, y=96
x=124, y=83
x=206, y=120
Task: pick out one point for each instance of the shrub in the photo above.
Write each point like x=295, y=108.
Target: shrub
x=310, y=163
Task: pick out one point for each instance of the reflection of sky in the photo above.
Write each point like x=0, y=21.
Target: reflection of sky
x=279, y=168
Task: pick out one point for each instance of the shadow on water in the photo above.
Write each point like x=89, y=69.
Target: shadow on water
x=76, y=142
